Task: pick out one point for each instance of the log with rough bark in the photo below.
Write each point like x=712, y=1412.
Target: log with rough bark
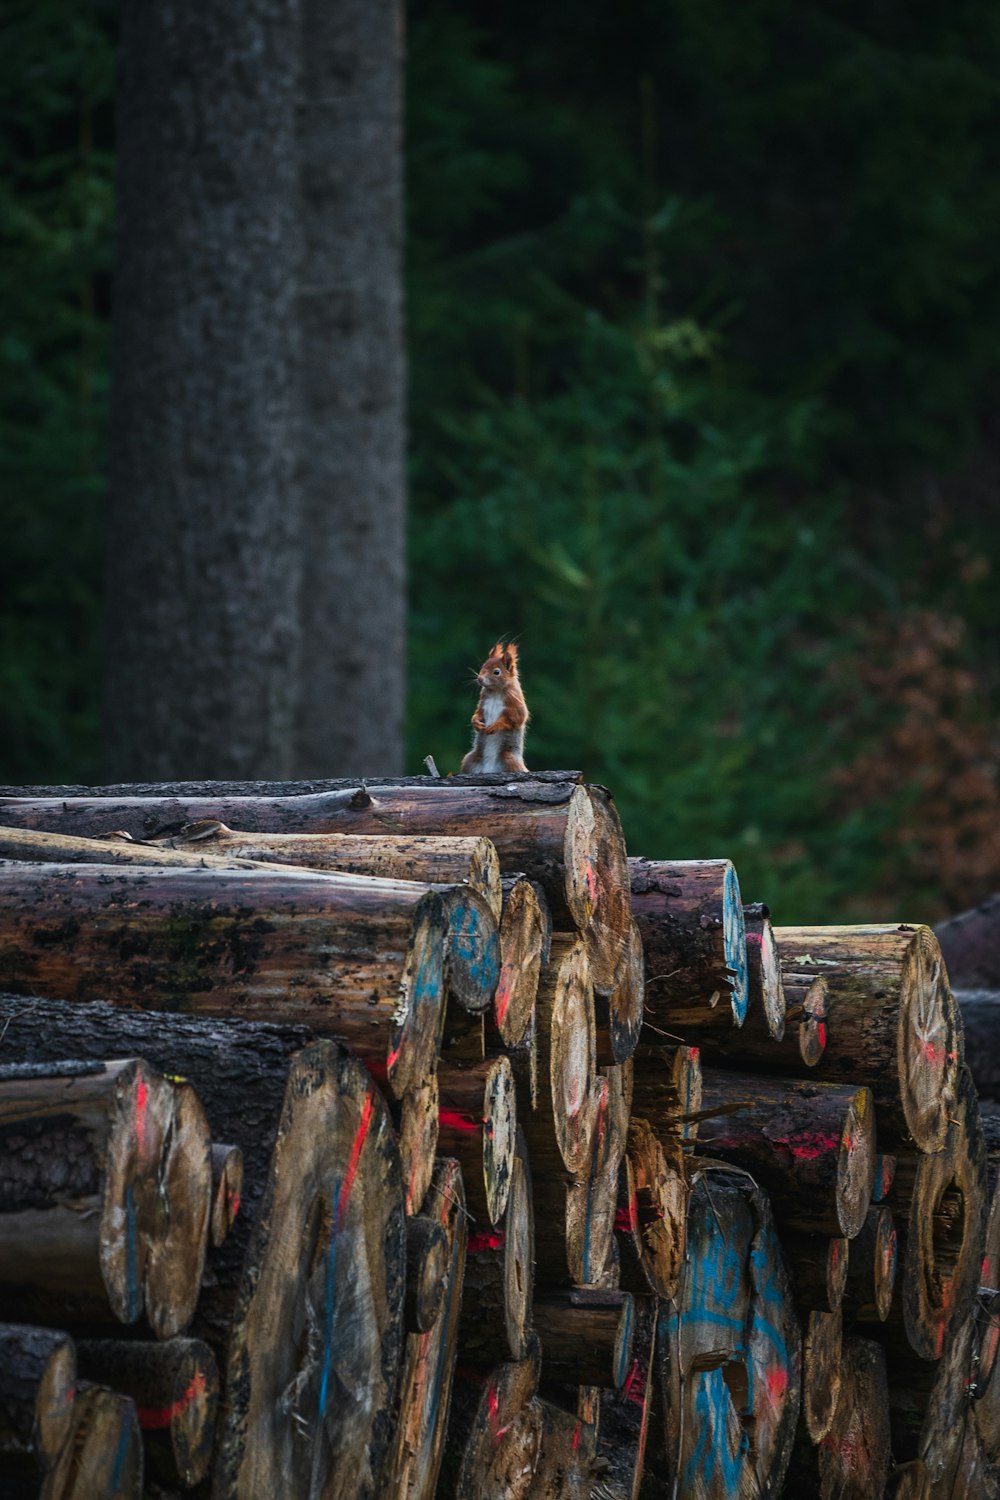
x=981, y=1025
x=433, y=861
x=428, y=1367
x=106, y=1194
x=852, y=1460
x=360, y=959
x=909, y=1481
x=37, y=1392
x=893, y=1022
x=822, y=1347
x=806, y=1007
x=102, y=1460
x=652, y=1213
x=970, y=943
x=930, y=1403
x=619, y=1015
x=940, y=1203
x=729, y=1347
x=885, y=1173
x=765, y=990
x=478, y=1125
x=495, y=1432
x=500, y=1277
x=690, y=917
x=275, y=1303
x=559, y=832
x=575, y=1212
x=586, y=1335
x=871, y=1274
x=625, y=1415
x=819, y=1269
x=810, y=1145
x=175, y=1388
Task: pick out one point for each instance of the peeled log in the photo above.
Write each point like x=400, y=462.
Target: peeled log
x=105, y=1194
x=729, y=1348
x=37, y=1391
x=811, y=1146
x=565, y=835
x=358, y=959
x=478, y=1123
x=941, y=1200
x=175, y=1388
x=871, y=1274
x=429, y=1357
x=690, y=917
x=765, y=991
x=893, y=1022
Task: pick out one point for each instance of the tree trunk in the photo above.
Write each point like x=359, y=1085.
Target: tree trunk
x=652, y=1218
x=204, y=527
x=335, y=953
x=690, y=918
x=566, y=836
x=37, y=1392
x=175, y=1388
x=667, y=1090
x=525, y=941
x=478, y=1126
x=811, y=1146
x=970, y=943
x=625, y=1415
x=105, y=1196
x=821, y=1372
x=893, y=1023
x=586, y=1335
x=871, y=1273
x=496, y=1433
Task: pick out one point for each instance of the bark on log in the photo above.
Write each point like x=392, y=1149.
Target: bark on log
x=500, y=1277
x=821, y=1372
x=852, y=1460
x=729, y=1348
x=625, y=1415
x=175, y=1388
x=361, y=960
x=811, y=1146
x=478, y=1124
x=690, y=917
x=931, y=1403
x=970, y=943
x=652, y=1213
x=525, y=940
x=619, y=1015
x=431, y=860
x=102, y=1460
x=941, y=1200
x=586, y=1335
x=819, y=1269
x=565, y=835
x=871, y=1274
x=765, y=991
x=105, y=1197
x=667, y=1090
x=980, y=1022
x=429, y=1357
x=893, y=1022
x=37, y=1392
x=295, y=788
x=34, y=846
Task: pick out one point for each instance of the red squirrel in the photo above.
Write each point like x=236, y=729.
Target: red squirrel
x=501, y=716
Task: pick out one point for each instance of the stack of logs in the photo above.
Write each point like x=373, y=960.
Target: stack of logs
x=410, y=1140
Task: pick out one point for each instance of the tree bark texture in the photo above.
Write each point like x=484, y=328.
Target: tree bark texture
x=981, y=1025
x=690, y=917
x=892, y=1024
x=204, y=565
x=819, y=1269
x=586, y=1335
x=105, y=1196
x=970, y=943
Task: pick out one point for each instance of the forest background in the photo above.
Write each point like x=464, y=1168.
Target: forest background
x=702, y=307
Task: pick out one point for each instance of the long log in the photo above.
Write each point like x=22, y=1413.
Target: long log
x=940, y=1203
x=819, y=1269
x=429, y=1356
x=893, y=1023
x=586, y=1335
x=478, y=1125
x=563, y=834
x=105, y=1194
x=729, y=1348
x=811, y=1146
x=175, y=1388
x=871, y=1274
x=37, y=1391
x=362, y=960
x=667, y=1090
x=690, y=917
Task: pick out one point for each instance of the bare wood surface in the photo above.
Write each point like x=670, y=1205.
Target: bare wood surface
x=765, y=990
x=227, y=1190
x=652, y=1214
x=821, y=1371
x=619, y=1015
x=852, y=1461
x=500, y=1277
x=525, y=939
x=625, y=1416
x=496, y=1433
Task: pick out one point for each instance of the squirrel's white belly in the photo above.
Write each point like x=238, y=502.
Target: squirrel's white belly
x=492, y=707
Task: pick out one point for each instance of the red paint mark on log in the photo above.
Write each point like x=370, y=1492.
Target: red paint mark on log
x=821, y=1033
x=455, y=1119
x=591, y=883
x=812, y=1144
x=154, y=1418
x=623, y=1220
x=577, y=1430
x=141, y=1100
x=234, y=1200
x=352, y=1165
x=503, y=999
x=634, y=1388
x=776, y=1381
x=479, y=1242
x=757, y=938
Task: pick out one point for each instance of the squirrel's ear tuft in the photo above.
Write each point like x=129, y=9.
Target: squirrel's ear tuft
x=510, y=657
x=497, y=650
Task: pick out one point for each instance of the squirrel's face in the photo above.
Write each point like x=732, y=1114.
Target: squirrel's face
x=499, y=669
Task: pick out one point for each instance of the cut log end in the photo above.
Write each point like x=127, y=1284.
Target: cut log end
x=619, y=1015
x=227, y=1191
x=596, y=883
x=856, y=1164
x=929, y=1042
x=37, y=1391
x=764, y=984
x=525, y=935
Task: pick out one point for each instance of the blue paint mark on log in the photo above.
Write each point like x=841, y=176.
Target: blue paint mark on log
x=121, y=1452
x=134, y=1303
x=734, y=939
x=475, y=945
x=711, y=1459
x=331, y=1262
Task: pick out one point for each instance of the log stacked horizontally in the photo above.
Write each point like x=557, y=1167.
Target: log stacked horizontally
x=404, y=1138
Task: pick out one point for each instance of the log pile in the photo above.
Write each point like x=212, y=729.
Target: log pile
x=407, y=1139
